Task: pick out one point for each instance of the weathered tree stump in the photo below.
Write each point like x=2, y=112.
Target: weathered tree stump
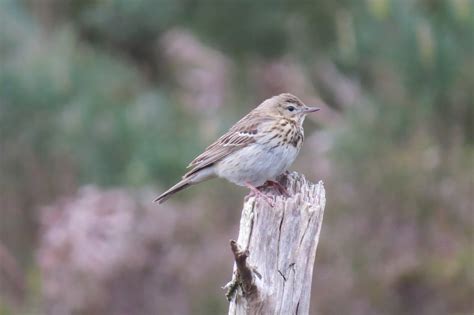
x=276, y=249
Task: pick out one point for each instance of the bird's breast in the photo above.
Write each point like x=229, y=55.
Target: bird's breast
x=275, y=148
x=257, y=163
x=287, y=132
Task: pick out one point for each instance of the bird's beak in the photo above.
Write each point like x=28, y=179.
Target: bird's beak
x=310, y=110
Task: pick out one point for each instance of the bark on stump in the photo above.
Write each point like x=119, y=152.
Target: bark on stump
x=276, y=249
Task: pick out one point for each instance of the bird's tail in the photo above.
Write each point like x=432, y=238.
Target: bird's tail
x=183, y=184
x=189, y=179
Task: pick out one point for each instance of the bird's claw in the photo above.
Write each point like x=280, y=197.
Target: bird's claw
x=269, y=200
x=281, y=189
x=258, y=193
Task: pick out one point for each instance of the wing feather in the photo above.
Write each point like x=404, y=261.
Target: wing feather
x=243, y=133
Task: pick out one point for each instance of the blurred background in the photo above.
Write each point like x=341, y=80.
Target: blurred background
x=103, y=104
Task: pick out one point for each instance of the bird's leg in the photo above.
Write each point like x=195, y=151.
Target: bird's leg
x=257, y=192
x=282, y=189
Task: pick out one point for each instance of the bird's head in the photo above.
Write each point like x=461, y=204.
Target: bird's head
x=287, y=106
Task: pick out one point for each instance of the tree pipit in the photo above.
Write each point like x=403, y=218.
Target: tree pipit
x=254, y=151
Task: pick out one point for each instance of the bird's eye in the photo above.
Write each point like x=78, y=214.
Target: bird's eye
x=291, y=108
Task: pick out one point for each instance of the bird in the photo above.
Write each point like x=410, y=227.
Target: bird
x=253, y=152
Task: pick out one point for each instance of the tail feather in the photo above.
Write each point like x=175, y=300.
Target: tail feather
x=188, y=180
x=185, y=183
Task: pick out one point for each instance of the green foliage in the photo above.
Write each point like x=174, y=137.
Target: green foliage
x=127, y=22
x=424, y=45
x=243, y=27
x=90, y=108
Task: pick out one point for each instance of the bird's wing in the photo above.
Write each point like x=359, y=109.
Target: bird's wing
x=243, y=133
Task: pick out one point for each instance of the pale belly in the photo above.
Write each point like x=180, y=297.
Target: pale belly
x=255, y=166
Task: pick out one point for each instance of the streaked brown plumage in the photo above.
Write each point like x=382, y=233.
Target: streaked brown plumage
x=258, y=148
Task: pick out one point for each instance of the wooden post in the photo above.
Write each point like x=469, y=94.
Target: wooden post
x=275, y=252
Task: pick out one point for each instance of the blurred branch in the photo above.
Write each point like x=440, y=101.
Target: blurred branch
x=276, y=249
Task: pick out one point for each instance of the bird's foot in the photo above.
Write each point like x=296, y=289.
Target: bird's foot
x=257, y=192
x=281, y=189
